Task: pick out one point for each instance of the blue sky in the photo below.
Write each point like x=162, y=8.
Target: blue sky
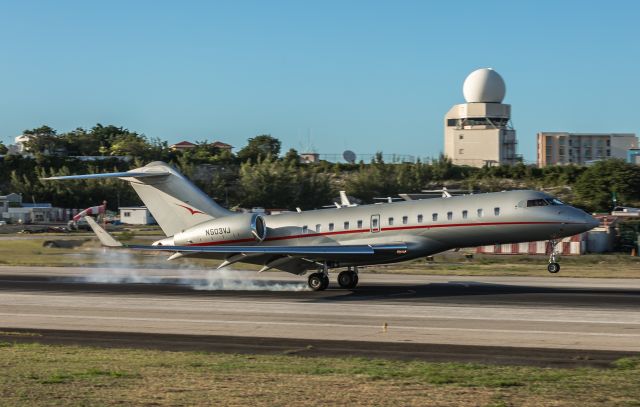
x=364, y=75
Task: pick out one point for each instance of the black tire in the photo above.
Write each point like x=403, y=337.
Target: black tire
x=345, y=279
x=553, y=268
x=325, y=281
x=355, y=280
x=318, y=281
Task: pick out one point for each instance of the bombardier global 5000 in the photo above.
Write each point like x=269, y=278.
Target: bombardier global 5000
x=344, y=237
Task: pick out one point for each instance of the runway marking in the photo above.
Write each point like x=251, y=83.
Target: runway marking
x=631, y=317
x=334, y=325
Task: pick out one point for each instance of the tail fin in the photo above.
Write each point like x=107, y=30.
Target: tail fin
x=173, y=200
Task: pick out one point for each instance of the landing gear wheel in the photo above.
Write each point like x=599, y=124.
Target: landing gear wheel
x=553, y=268
x=348, y=279
x=318, y=281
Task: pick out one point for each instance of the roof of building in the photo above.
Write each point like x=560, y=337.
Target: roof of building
x=133, y=207
x=220, y=144
x=183, y=144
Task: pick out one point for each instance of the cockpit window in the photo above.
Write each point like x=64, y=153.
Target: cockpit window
x=554, y=201
x=537, y=202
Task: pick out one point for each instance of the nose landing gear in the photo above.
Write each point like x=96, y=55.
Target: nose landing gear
x=553, y=267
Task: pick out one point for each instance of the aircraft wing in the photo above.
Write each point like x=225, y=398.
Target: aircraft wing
x=318, y=251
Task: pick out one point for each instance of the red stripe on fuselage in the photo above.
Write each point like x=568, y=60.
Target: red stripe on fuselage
x=344, y=232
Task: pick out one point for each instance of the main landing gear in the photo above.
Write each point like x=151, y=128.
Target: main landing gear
x=348, y=278
x=553, y=267
x=319, y=280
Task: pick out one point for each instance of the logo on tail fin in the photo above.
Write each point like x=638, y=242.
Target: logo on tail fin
x=191, y=210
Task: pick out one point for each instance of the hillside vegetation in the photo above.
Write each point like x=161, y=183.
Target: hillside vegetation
x=259, y=175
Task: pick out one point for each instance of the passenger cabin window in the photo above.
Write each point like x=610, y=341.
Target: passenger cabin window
x=480, y=213
x=360, y=224
x=434, y=217
x=405, y=220
x=465, y=214
x=330, y=227
x=318, y=227
x=419, y=218
x=496, y=211
x=346, y=226
x=374, y=223
x=305, y=229
x=449, y=215
x=390, y=221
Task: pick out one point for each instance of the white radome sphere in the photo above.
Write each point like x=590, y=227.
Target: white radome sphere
x=484, y=86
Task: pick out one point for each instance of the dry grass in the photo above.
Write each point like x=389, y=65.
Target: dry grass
x=70, y=375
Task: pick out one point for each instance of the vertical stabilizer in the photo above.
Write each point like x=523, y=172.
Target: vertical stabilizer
x=174, y=201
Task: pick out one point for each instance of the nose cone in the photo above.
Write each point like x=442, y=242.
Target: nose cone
x=592, y=222
x=578, y=221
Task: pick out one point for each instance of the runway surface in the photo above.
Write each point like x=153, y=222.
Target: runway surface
x=427, y=314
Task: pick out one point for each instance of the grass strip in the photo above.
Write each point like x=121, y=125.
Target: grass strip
x=35, y=374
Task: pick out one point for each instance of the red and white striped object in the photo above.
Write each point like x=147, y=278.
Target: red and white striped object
x=575, y=245
x=94, y=210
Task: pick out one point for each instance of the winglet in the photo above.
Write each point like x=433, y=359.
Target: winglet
x=105, y=238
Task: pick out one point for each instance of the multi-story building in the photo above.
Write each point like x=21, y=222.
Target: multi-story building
x=562, y=148
x=479, y=132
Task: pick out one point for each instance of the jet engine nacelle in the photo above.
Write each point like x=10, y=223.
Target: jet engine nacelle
x=241, y=229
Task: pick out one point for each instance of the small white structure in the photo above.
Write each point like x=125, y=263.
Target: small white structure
x=136, y=215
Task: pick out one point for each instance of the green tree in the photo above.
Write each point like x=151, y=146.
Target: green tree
x=292, y=157
x=81, y=142
x=130, y=144
x=259, y=148
x=594, y=188
x=269, y=183
x=42, y=139
x=3, y=149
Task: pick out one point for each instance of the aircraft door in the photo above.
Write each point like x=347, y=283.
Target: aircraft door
x=375, y=223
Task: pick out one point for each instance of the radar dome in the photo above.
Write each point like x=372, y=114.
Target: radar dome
x=484, y=86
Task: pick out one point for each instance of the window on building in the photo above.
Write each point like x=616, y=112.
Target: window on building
x=451, y=122
x=480, y=213
x=461, y=151
x=360, y=224
x=496, y=211
x=390, y=221
x=405, y=220
x=449, y=215
x=461, y=137
x=330, y=227
x=318, y=228
x=346, y=225
x=465, y=213
x=127, y=214
x=434, y=217
x=305, y=229
x=608, y=143
x=419, y=218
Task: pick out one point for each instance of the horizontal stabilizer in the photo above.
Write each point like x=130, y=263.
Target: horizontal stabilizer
x=125, y=174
